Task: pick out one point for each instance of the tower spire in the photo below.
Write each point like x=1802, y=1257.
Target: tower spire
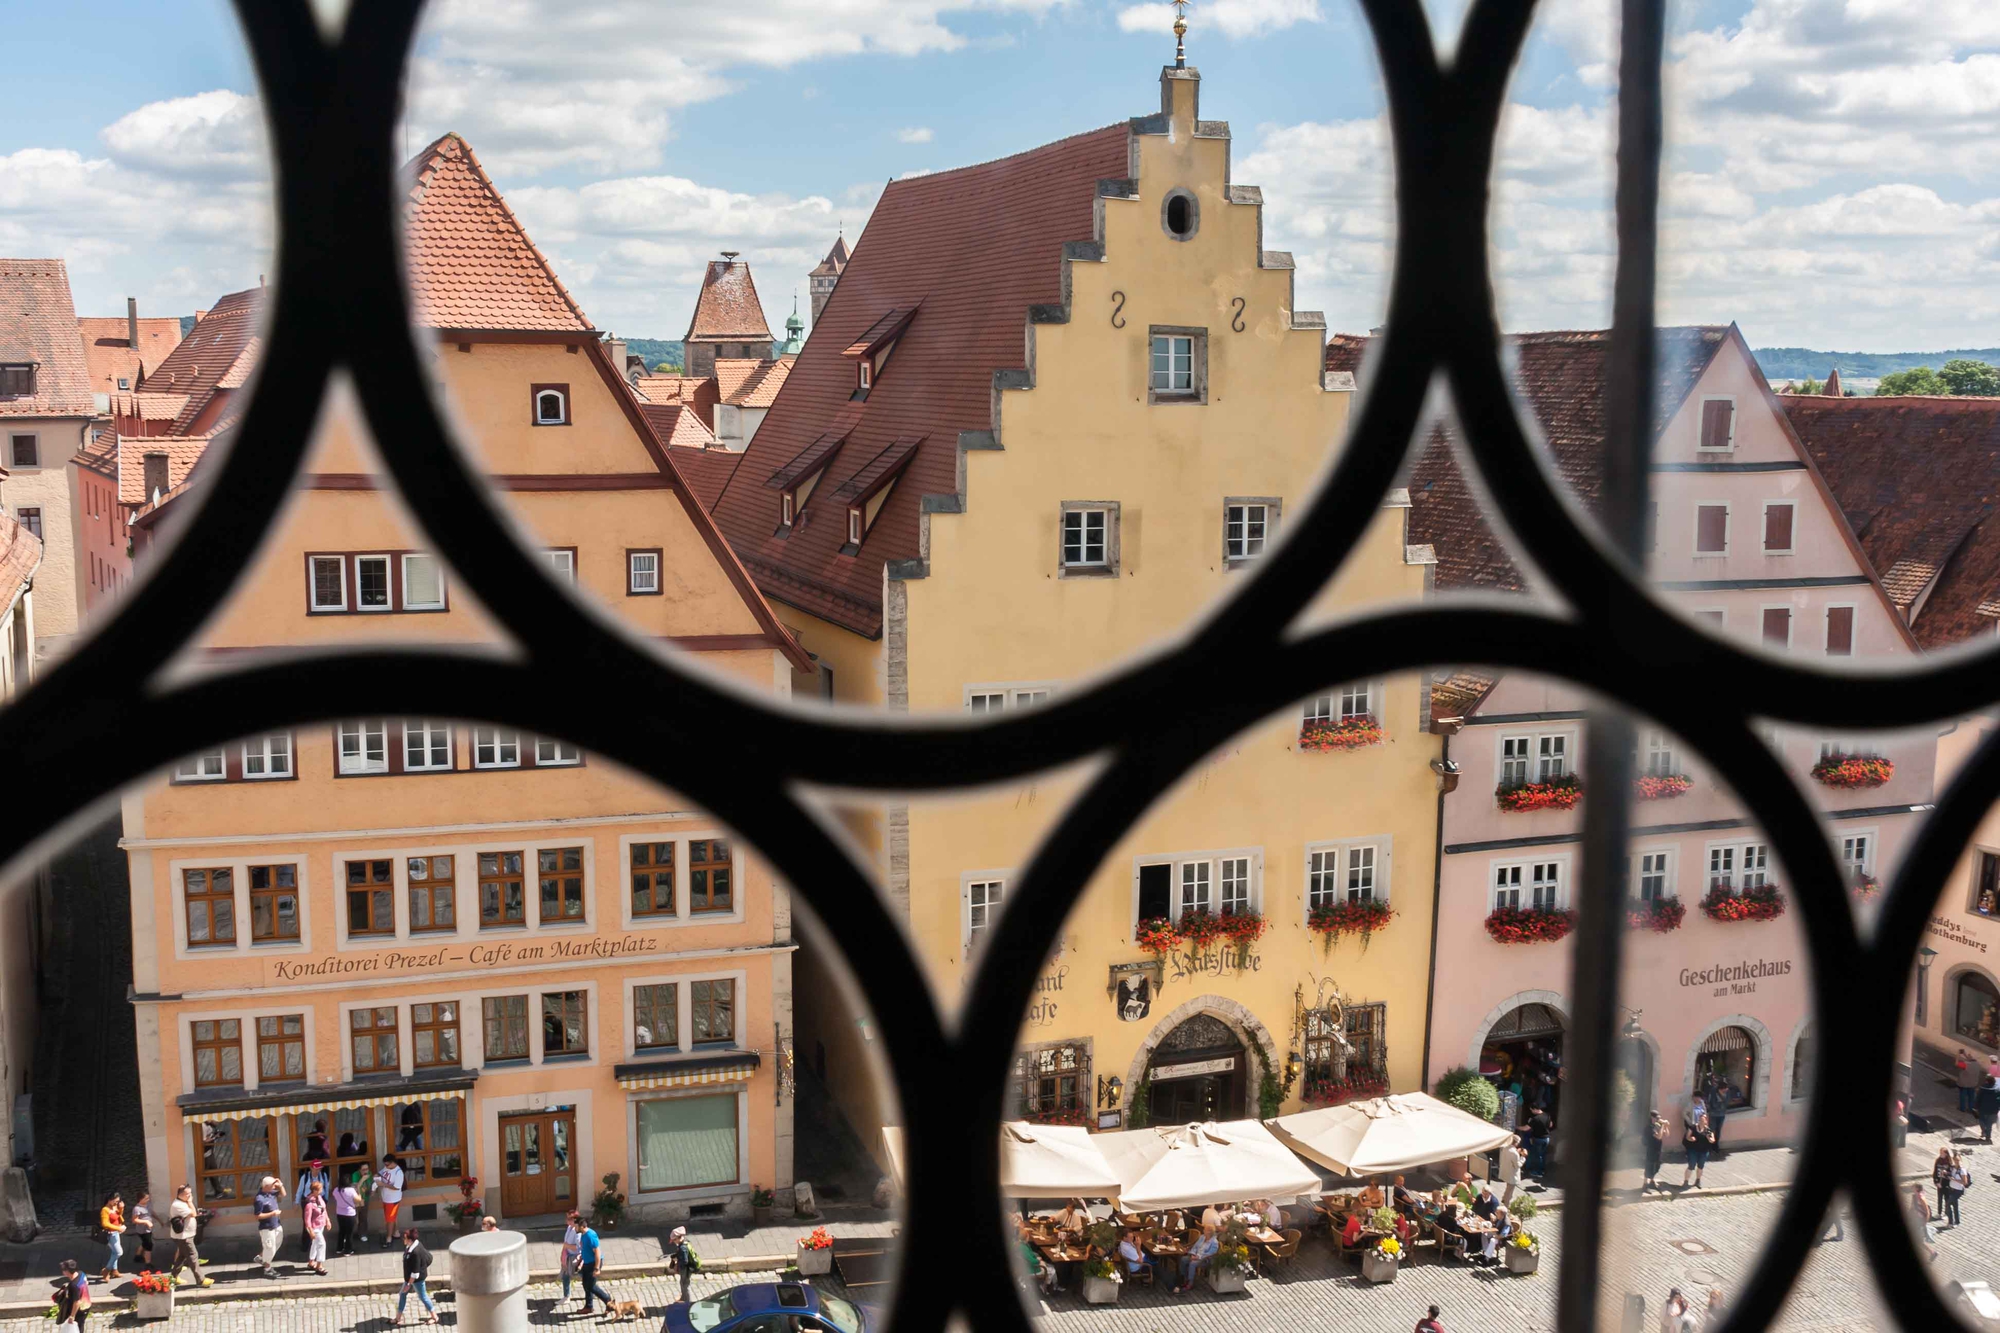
x=1180, y=33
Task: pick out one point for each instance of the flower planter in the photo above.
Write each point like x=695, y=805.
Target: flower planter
x=1349, y=733
x=1762, y=903
x=1661, y=787
x=153, y=1305
x=1100, y=1291
x=815, y=1263
x=1853, y=771
x=1225, y=1280
x=468, y=1224
x=1378, y=1267
x=1333, y=920
x=1529, y=925
x=1556, y=794
x=1157, y=936
x=761, y=1214
x=1520, y=1260
x=1660, y=915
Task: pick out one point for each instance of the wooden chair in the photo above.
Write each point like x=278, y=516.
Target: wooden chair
x=1447, y=1243
x=1143, y=1273
x=1285, y=1250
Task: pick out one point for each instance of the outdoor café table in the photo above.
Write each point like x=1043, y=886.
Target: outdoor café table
x=1265, y=1236
x=1165, y=1249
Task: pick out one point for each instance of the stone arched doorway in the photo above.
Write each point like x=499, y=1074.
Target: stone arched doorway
x=1521, y=1049
x=1252, y=1038
x=1198, y=1072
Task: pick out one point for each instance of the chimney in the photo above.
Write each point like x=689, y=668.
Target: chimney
x=132, y=322
x=156, y=476
x=614, y=347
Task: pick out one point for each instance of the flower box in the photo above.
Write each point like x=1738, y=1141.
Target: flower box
x=1363, y=918
x=1556, y=794
x=815, y=1263
x=1529, y=925
x=1158, y=935
x=1660, y=915
x=1222, y=1280
x=1100, y=1290
x=1338, y=1092
x=1762, y=903
x=1853, y=770
x=1200, y=927
x=1074, y=1116
x=1377, y=1266
x=1349, y=733
x=1661, y=787
x=153, y=1304
x=1522, y=1259
x=1865, y=886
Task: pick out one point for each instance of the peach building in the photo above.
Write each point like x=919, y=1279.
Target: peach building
x=1748, y=539
x=480, y=949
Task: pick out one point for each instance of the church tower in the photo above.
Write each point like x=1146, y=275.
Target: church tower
x=826, y=275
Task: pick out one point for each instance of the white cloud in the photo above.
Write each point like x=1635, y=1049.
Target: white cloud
x=915, y=134
x=211, y=136
x=1232, y=18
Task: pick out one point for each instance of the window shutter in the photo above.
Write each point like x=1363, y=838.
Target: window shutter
x=1840, y=631
x=1778, y=528
x=1718, y=415
x=1778, y=626
x=1711, y=529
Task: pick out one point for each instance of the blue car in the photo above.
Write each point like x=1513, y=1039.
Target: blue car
x=768, y=1307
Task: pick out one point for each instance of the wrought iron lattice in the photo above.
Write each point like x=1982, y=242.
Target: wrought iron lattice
x=111, y=713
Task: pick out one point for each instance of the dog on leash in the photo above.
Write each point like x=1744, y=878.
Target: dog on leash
x=623, y=1310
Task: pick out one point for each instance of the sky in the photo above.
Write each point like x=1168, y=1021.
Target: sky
x=1829, y=169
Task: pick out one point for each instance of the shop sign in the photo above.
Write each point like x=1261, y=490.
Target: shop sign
x=1048, y=986
x=1736, y=978
x=1947, y=929
x=1218, y=960
x=1195, y=1069
x=507, y=954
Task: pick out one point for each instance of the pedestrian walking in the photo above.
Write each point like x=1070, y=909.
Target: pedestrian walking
x=364, y=1189
x=1656, y=1147
x=111, y=1225
x=182, y=1225
x=1711, y=1315
x=139, y=1228
x=313, y=1173
x=1670, y=1313
x=1429, y=1323
x=682, y=1254
x=589, y=1250
x=313, y=1211
x=1967, y=1070
x=1986, y=1105
x=1541, y=1128
x=416, y=1277
x=389, y=1186
x=572, y=1240
x=347, y=1202
x=1941, y=1177
x=270, y=1222
x=1920, y=1220
x=1696, y=1139
x=72, y=1297
x=1512, y=1159
x=1959, y=1183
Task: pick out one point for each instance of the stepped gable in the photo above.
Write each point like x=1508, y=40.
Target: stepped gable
x=38, y=327
x=1919, y=481
x=472, y=265
x=975, y=249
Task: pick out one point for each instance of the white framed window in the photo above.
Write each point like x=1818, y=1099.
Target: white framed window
x=1857, y=855
x=985, y=701
x=1319, y=709
x=1657, y=755
x=1722, y=868
x=1711, y=529
x=1354, y=870
x=1711, y=615
x=983, y=897
x=1829, y=746
x=864, y=374
x=1530, y=884
x=642, y=571
x=995, y=698
x=1514, y=751
x=423, y=582
x=1551, y=757
x=551, y=407
x=853, y=526
x=206, y=766
x=1197, y=878
x=563, y=561
x=555, y=754
x=1245, y=525
x=1654, y=877
x=1234, y=881
x=1357, y=700
x=426, y=745
x=1173, y=363
x=1085, y=538
x=787, y=509
x=494, y=747
x=371, y=583
x=1736, y=866
x=1171, y=886
x=328, y=578
x=268, y=756
x=1780, y=516
x=363, y=747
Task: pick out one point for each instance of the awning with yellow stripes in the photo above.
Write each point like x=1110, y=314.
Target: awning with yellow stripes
x=296, y=1101
x=641, y=1078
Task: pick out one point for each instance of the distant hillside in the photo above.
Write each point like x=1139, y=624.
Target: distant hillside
x=1795, y=363
x=655, y=350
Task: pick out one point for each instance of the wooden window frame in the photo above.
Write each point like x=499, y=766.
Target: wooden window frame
x=1791, y=527
x=1727, y=516
x=34, y=442
x=280, y=1040
x=652, y=871
x=569, y=1004
x=705, y=1005
x=563, y=876
x=1046, y=1083
x=500, y=879
x=632, y=588
x=232, y=1131
x=221, y=774
x=642, y=1006
x=1852, y=615
x=370, y=888
x=420, y=1163
x=535, y=392
x=701, y=877
x=505, y=1017
x=566, y=570
x=374, y=1030
x=433, y=890
x=271, y=892
x=31, y=519
x=208, y=894
x=1764, y=614
x=1701, y=425
x=437, y=1027
x=388, y=562
x=221, y=1045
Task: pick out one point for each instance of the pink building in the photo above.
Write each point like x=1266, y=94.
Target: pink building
x=1748, y=538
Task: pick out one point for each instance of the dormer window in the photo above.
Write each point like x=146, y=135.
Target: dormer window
x=872, y=350
x=785, y=509
x=854, y=525
x=864, y=375
x=868, y=490
x=551, y=403
x=17, y=380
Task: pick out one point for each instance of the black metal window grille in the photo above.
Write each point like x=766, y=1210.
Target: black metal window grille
x=108, y=716
x=1052, y=1083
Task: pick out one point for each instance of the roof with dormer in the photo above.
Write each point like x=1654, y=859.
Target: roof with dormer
x=975, y=248
x=38, y=328
x=107, y=348
x=205, y=369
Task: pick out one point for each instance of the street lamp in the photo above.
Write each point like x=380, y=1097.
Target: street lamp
x=1925, y=957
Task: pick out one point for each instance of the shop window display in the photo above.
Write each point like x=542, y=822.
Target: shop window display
x=1975, y=1010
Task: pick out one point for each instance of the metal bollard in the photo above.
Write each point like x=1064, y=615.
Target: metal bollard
x=489, y=1282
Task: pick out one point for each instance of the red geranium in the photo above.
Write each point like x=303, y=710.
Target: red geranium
x=1202, y=927
x=1348, y=733
x=1654, y=787
x=1158, y=935
x=819, y=1240
x=1529, y=925
x=1762, y=903
x=1243, y=927
x=1556, y=794
x=1866, y=886
x=1658, y=914
x=1338, y=1091
x=1074, y=1116
x=1854, y=770
x=1363, y=918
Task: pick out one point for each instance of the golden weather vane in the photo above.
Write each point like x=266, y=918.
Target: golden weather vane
x=1180, y=33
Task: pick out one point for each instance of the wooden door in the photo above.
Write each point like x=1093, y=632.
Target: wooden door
x=537, y=1163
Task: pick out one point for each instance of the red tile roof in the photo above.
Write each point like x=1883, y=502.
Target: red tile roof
x=728, y=309
x=108, y=350
x=707, y=470
x=835, y=261
x=976, y=247
x=38, y=327
x=1919, y=481
x=697, y=391
x=471, y=264
x=20, y=557
x=100, y=454
x=200, y=368
x=676, y=424
x=745, y=383
x=182, y=451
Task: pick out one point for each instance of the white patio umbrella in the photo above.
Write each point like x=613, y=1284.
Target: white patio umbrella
x=1185, y=1166
x=1053, y=1162
x=1386, y=1134
x=892, y=1148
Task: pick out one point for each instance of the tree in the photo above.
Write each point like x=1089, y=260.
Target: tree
x=1469, y=1092
x=1974, y=379
x=1807, y=385
x=1906, y=383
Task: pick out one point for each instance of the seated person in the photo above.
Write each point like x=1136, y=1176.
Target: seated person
x=1272, y=1215
x=1401, y=1196
x=1485, y=1205
x=1211, y=1218
x=1350, y=1235
x=1198, y=1254
x=1503, y=1227
x=1073, y=1218
x=1451, y=1234
x=1044, y=1274
x=1404, y=1228
x=1371, y=1196
x=1130, y=1257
